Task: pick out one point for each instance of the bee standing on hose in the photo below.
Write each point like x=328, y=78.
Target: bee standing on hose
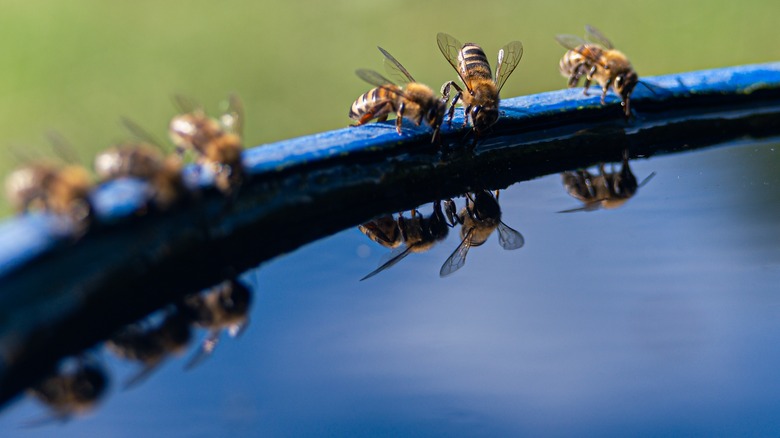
x=481, y=96
x=143, y=161
x=51, y=187
x=216, y=142
x=597, y=60
x=414, y=100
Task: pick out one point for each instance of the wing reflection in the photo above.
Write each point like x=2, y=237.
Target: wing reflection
x=605, y=190
x=479, y=218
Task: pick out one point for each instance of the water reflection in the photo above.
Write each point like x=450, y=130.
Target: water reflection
x=479, y=218
x=74, y=388
x=79, y=383
x=605, y=190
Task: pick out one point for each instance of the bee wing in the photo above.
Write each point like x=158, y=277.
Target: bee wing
x=141, y=134
x=450, y=47
x=185, y=104
x=395, y=69
x=142, y=375
x=205, y=350
x=232, y=119
x=396, y=256
x=377, y=80
x=595, y=36
x=62, y=147
x=509, y=238
x=646, y=180
x=457, y=259
x=508, y=58
x=570, y=42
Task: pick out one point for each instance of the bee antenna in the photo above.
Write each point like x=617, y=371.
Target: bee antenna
x=649, y=87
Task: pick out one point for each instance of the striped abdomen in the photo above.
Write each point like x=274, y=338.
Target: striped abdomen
x=379, y=102
x=473, y=63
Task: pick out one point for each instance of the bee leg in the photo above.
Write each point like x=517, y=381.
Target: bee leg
x=627, y=107
x=399, y=118
x=604, y=92
x=466, y=115
x=445, y=91
x=452, y=214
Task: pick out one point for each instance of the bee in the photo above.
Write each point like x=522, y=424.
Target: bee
x=226, y=306
x=479, y=219
x=383, y=230
x=481, y=97
x=414, y=100
x=418, y=234
x=608, y=190
x=68, y=392
x=51, y=187
x=599, y=61
x=150, y=344
x=216, y=142
x=143, y=161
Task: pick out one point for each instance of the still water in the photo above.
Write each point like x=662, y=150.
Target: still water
x=661, y=316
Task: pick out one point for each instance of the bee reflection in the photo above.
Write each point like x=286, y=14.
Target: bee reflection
x=607, y=189
x=418, y=233
x=71, y=391
x=479, y=219
x=225, y=306
x=150, y=344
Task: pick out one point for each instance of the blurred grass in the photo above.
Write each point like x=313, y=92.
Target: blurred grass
x=77, y=66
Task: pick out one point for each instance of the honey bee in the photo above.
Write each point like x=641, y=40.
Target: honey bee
x=599, y=61
x=418, y=234
x=414, y=100
x=481, y=98
x=479, y=219
x=216, y=142
x=68, y=392
x=383, y=230
x=608, y=190
x=151, y=344
x=143, y=161
x=51, y=187
x=225, y=306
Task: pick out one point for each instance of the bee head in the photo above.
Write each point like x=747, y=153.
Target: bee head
x=484, y=117
x=625, y=83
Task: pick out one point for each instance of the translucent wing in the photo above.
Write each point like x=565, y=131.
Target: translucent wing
x=508, y=58
x=450, y=47
x=140, y=133
x=594, y=35
x=232, y=119
x=186, y=104
x=396, y=256
x=395, y=69
x=375, y=78
x=62, y=147
x=646, y=180
x=509, y=238
x=570, y=42
x=205, y=350
x=457, y=259
x=143, y=374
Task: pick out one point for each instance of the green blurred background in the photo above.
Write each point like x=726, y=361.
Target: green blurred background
x=76, y=67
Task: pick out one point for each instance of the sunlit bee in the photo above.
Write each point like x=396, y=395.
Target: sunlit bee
x=216, y=142
x=606, y=190
x=418, y=234
x=224, y=307
x=150, y=344
x=69, y=392
x=146, y=162
x=479, y=219
x=415, y=101
x=597, y=60
x=481, y=96
x=51, y=187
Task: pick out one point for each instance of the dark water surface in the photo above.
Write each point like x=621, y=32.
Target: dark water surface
x=662, y=316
